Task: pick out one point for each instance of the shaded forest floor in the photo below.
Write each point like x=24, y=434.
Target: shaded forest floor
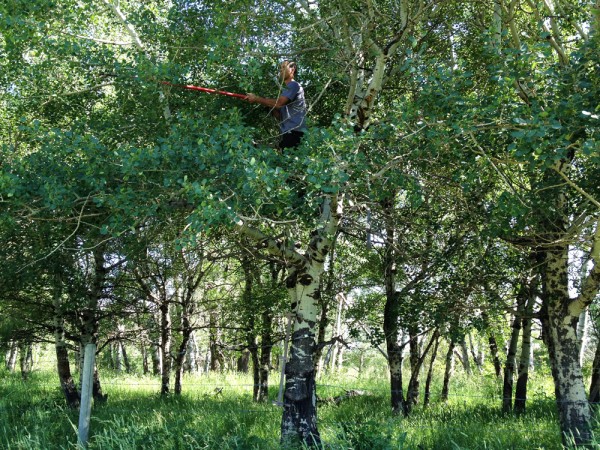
x=216, y=412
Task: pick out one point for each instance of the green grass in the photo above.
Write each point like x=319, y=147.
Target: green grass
x=33, y=416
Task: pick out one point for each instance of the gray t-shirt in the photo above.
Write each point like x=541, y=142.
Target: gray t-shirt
x=293, y=114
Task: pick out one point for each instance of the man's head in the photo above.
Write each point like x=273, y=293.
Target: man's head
x=288, y=70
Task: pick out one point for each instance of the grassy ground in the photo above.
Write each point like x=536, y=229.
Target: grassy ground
x=33, y=416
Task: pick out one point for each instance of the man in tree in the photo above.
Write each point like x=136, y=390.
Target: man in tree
x=289, y=108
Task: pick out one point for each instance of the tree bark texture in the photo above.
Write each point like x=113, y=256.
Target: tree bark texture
x=299, y=421
x=561, y=339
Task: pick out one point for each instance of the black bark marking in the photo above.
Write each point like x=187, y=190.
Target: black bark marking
x=305, y=279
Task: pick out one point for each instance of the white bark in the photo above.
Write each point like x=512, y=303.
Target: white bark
x=497, y=24
x=582, y=335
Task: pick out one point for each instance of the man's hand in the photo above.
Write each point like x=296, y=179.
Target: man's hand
x=252, y=98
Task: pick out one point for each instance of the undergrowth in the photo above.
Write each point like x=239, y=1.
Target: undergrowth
x=217, y=412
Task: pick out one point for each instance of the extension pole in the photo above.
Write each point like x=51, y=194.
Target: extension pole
x=85, y=406
x=203, y=89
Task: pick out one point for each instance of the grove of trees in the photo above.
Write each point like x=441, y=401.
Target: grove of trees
x=449, y=183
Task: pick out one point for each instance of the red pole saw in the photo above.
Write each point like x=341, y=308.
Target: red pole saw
x=203, y=89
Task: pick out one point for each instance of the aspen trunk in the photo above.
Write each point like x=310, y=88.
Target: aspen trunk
x=26, y=359
x=511, y=354
x=266, y=347
x=525, y=357
x=582, y=335
x=118, y=362
x=595, y=381
x=67, y=383
x=323, y=324
x=126, y=360
x=412, y=394
x=97, y=388
x=336, y=348
x=165, y=346
x=427, y=395
x=496, y=29
x=186, y=335
x=560, y=335
x=191, y=355
x=466, y=362
x=299, y=420
x=217, y=360
x=11, y=361
x=89, y=317
x=494, y=354
x=448, y=371
x=156, y=358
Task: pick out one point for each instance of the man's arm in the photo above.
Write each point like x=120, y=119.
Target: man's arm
x=274, y=103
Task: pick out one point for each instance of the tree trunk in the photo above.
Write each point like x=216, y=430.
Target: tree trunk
x=594, y=398
x=391, y=312
x=165, y=346
x=417, y=360
x=126, y=360
x=89, y=317
x=511, y=354
x=427, y=395
x=266, y=347
x=496, y=28
x=336, y=349
x=582, y=335
x=299, y=421
x=157, y=358
x=412, y=394
x=11, y=361
x=465, y=357
x=191, y=356
x=186, y=335
x=448, y=371
x=116, y=351
x=67, y=383
x=494, y=354
x=560, y=335
x=525, y=357
x=477, y=353
x=26, y=359
x=323, y=324
x=97, y=388
x=217, y=360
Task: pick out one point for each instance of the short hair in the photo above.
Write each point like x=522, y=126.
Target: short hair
x=292, y=65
